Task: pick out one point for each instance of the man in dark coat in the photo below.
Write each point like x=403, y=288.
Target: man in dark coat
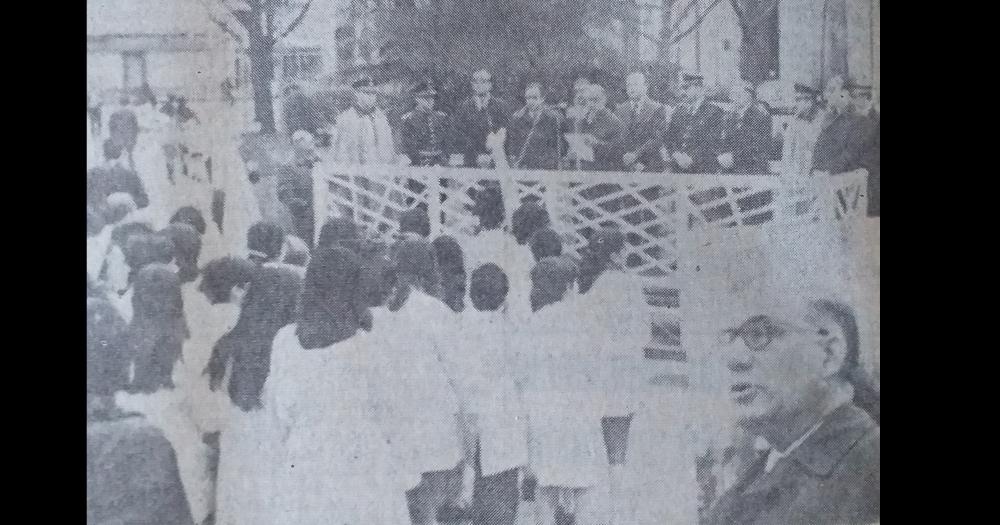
x=476, y=118
x=694, y=137
x=871, y=123
x=113, y=177
x=298, y=112
x=799, y=388
x=424, y=130
x=604, y=129
x=845, y=138
x=643, y=123
x=746, y=134
x=123, y=128
x=534, y=135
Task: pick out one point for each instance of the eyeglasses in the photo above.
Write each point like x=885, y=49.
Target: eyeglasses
x=759, y=331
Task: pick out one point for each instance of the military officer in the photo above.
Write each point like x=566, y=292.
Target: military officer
x=424, y=130
x=694, y=136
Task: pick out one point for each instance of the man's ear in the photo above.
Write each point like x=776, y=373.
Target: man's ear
x=834, y=345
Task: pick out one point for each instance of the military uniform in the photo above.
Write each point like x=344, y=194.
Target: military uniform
x=697, y=132
x=833, y=477
x=424, y=137
x=747, y=135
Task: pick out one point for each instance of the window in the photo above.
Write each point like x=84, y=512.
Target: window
x=301, y=64
x=133, y=70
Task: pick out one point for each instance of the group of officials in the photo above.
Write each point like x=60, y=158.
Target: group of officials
x=833, y=131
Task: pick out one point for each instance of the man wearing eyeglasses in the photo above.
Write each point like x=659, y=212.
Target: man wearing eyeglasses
x=796, y=382
x=476, y=118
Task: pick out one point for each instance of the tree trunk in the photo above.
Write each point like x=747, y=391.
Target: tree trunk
x=261, y=74
x=666, y=33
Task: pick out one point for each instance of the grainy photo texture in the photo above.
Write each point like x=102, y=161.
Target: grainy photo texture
x=483, y=262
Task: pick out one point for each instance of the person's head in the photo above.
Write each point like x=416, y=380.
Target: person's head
x=786, y=360
x=551, y=279
x=118, y=206
x=596, y=97
x=580, y=86
x=451, y=264
x=365, y=95
x=488, y=288
x=187, y=248
x=604, y=249
x=488, y=206
x=693, y=87
x=424, y=95
x=331, y=305
x=545, y=242
x=142, y=250
x=527, y=219
x=743, y=94
x=415, y=268
x=861, y=98
x=482, y=82
x=296, y=251
x=225, y=280
x=191, y=216
x=836, y=96
x=112, y=151
x=416, y=221
x=805, y=99
x=302, y=140
x=533, y=98
x=339, y=231
x=121, y=233
x=264, y=242
x=635, y=86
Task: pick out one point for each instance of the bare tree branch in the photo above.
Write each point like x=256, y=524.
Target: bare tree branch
x=697, y=22
x=295, y=23
x=222, y=25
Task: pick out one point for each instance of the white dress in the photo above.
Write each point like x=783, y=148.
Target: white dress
x=566, y=443
x=482, y=372
x=312, y=454
x=416, y=404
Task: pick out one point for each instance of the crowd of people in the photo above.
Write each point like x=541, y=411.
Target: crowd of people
x=240, y=372
x=833, y=131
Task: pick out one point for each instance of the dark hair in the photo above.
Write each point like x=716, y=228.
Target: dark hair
x=121, y=233
x=528, y=218
x=187, y=248
x=488, y=287
x=158, y=329
x=266, y=239
x=866, y=395
x=596, y=256
x=219, y=276
x=339, y=231
x=488, y=206
x=413, y=264
x=332, y=309
x=550, y=279
x=451, y=265
x=415, y=220
x=270, y=305
x=112, y=150
x=142, y=250
x=545, y=242
x=192, y=216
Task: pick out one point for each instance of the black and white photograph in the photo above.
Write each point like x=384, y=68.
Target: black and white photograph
x=483, y=262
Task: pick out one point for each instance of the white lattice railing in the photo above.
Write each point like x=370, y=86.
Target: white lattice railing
x=656, y=211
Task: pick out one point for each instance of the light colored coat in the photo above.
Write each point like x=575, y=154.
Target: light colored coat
x=359, y=139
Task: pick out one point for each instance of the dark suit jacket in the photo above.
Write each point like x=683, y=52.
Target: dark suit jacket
x=842, y=144
x=874, y=163
x=698, y=135
x=123, y=128
x=470, y=126
x=102, y=181
x=424, y=137
x=538, y=149
x=748, y=138
x=833, y=477
x=606, y=127
x=643, y=133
